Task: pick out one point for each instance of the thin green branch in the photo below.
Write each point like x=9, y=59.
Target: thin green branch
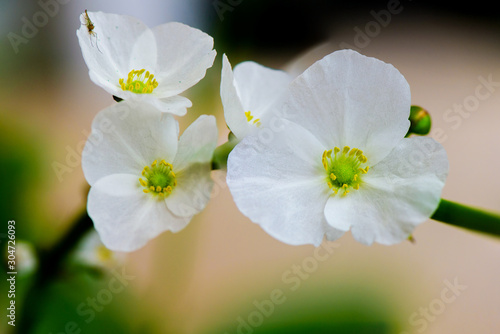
x=221, y=153
x=470, y=218
x=50, y=266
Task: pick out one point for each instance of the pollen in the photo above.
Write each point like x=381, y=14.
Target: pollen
x=158, y=179
x=344, y=169
x=252, y=120
x=139, y=82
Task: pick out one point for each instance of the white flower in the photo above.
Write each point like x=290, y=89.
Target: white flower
x=341, y=161
x=250, y=95
x=92, y=252
x=26, y=258
x=133, y=62
x=143, y=179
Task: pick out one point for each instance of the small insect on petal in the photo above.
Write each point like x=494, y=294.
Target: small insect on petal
x=90, y=28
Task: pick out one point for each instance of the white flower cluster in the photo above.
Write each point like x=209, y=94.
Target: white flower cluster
x=317, y=155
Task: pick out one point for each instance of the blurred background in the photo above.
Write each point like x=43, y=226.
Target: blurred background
x=223, y=274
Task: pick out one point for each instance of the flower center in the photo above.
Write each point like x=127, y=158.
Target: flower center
x=160, y=178
x=103, y=254
x=139, y=82
x=344, y=169
x=251, y=120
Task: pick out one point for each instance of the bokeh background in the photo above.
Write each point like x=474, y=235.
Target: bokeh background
x=218, y=274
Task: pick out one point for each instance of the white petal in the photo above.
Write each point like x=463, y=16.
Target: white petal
x=125, y=217
x=192, y=193
x=144, y=54
x=234, y=112
x=253, y=88
x=184, y=55
x=281, y=185
x=338, y=209
x=109, y=85
x=260, y=88
x=400, y=192
x=197, y=143
x=347, y=99
x=175, y=105
x=332, y=233
x=125, y=138
x=107, y=50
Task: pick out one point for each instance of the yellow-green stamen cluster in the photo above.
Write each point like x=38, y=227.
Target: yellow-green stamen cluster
x=344, y=169
x=139, y=82
x=255, y=121
x=160, y=178
x=103, y=253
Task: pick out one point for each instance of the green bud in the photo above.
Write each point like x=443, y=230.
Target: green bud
x=420, y=121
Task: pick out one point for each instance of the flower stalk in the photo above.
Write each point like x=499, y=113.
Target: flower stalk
x=51, y=262
x=467, y=217
x=221, y=153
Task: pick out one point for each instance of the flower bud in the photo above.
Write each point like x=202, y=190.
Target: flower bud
x=420, y=121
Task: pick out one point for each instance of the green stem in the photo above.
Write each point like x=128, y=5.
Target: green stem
x=221, y=153
x=470, y=218
x=50, y=265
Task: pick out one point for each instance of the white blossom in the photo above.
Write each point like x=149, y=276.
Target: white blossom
x=340, y=161
x=250, y=95
x=133, y=62
x=143, y=179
